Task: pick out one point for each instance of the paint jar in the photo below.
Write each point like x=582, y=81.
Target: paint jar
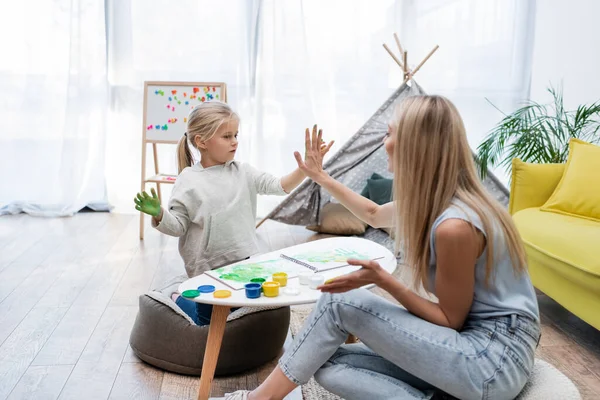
x=260, y=281
x=253, y=290
x=304, y=277
x=280, y=277
x=316, y=280
x=271, y=289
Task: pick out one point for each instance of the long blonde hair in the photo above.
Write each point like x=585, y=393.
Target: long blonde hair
x=203, y=122
x=433, y=164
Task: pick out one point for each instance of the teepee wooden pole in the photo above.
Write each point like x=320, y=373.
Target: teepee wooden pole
x=261, y=222
x=425, y=60
x=393, y=56
x=398, y=43
x=405, y=60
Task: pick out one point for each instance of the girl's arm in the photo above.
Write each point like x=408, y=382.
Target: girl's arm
x=293, y=180
x=173, y=222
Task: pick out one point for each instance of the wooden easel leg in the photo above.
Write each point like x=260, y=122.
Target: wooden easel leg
x=155, y=153
x=216, y=330
x=158, y=192
x=142, y=214
x=141, y=226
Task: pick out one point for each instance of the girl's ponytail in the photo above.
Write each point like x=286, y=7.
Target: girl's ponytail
x=184, y=155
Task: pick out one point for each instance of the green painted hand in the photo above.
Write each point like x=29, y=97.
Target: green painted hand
x=148, y=204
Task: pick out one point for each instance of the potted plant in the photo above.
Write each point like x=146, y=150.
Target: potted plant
x=538, y=133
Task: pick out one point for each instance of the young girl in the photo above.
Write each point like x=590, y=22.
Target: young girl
x=478, y=341
x=213, y=204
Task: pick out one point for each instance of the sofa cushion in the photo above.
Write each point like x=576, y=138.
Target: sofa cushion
x=578, y=192
x=570, y=245
x=532, y=184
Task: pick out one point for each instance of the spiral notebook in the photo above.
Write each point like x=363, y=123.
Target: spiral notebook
x=328, y=259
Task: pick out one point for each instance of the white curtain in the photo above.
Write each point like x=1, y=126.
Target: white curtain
x=53, y=85
x=288, y=64
x=318, y=62
x=291, y=64
x=160, y=40
x=486, y=49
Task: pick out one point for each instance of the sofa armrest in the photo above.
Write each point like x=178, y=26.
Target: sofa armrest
x=532, y=184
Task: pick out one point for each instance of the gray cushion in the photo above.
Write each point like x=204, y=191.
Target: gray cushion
x=165, y=337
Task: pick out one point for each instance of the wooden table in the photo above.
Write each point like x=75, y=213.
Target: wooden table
x=238, y=299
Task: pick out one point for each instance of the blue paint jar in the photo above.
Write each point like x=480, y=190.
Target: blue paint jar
x=253, y=290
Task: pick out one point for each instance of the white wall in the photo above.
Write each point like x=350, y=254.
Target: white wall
x=567, y=50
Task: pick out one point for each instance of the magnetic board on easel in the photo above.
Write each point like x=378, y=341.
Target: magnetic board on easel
x=167, y=105
x=166, y=109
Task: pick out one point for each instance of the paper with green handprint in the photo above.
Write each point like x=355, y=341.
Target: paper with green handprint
x=325, y=257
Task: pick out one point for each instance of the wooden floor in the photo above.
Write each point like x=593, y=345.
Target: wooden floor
x=69, y=289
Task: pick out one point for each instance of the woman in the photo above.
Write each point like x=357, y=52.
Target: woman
x=478, y=341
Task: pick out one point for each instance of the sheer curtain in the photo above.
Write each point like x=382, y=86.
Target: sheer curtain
x=324, y=62
x=72, y=78
x=485, y=56
x=287, y=65
x=53, y=85
x=318, y=62
x=184, y=40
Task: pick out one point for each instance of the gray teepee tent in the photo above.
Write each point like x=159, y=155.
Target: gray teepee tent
x=361, y=156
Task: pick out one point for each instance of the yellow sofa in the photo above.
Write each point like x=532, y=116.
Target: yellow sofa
x=563, y=251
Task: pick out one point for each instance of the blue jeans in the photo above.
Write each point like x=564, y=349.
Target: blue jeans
x=198, y=312
x=405, y=357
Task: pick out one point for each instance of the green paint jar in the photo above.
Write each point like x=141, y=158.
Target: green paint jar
x=259, y=281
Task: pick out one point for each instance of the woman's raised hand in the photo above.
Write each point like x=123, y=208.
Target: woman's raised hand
x=315, y=150
x=148, y=204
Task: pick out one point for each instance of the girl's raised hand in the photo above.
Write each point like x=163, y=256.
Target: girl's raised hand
x=325, y=147
x=312, y=165
x=148, y=204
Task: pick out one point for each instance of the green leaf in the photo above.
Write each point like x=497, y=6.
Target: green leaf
x=538, y=133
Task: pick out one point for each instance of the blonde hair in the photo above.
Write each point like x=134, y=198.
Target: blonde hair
x=203, y=122
x=433, y=164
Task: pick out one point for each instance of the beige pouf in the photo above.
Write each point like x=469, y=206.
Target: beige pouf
x=164, y=336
